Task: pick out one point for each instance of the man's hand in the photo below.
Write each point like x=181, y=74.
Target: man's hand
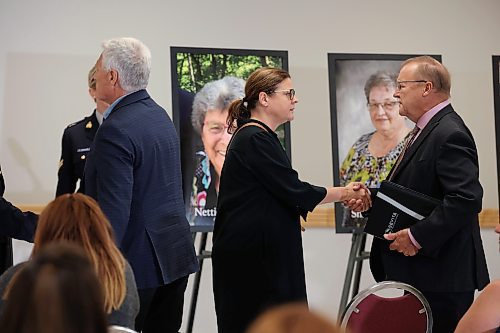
x=357, y=197
x=401, y=242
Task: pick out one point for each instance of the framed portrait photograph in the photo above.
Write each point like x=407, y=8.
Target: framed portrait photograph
x=496, y=101
x=367, y=131
x=204, y=83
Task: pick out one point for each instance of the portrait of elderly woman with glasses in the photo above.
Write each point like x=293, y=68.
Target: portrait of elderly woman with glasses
x=372, y=156
x=210, y=110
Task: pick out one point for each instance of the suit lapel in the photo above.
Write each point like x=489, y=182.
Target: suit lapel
x=422, y=138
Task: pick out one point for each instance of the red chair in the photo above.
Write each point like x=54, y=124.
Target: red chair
x=371, y=313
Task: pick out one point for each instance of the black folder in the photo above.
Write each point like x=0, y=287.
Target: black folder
x=396, y=207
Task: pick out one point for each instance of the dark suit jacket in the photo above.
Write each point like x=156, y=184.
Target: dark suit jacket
x=13, y=223
x=134, y=174
x=442, y=163
x=76, y=142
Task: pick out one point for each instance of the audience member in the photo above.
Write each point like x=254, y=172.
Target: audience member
x=134, y=174
x=442, y=255
x=78, y=219
x=257, y=253
x=56, y=292
x=76, y=143
x=484, y=314
x=292, y=318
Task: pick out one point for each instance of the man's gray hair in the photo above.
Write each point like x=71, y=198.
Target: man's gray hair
x=131, y=59
x=215, y=95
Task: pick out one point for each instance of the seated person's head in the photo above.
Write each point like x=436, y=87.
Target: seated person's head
x=56, y=292
x=292, y=318
x=77, y=218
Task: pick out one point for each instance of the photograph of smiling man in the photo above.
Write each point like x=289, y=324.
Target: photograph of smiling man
x=204, y=83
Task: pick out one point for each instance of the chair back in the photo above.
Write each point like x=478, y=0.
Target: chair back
x=371, y=313
x=119, y=329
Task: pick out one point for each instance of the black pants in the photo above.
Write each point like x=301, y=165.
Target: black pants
x=161, y=308
x=448, y=309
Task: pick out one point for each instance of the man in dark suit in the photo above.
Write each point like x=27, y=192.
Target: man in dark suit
x=134, y=174
x=13, y=223
x=76, y=142
x=442, y=255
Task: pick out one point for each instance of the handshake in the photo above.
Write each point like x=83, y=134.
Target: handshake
x=356, y=196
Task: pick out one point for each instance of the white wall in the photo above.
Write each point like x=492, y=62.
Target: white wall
x=48, y=47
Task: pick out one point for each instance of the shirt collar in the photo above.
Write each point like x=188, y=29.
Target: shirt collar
x=99, y=117
x=111, y=107
x=426, y=117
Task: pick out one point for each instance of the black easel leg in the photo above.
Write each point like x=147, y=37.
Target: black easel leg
x=359, y=265
x=355, y=247
x=197, y=279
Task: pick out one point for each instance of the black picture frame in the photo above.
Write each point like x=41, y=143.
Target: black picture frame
x=191, y=68
x=347, y=73
x=496, y=103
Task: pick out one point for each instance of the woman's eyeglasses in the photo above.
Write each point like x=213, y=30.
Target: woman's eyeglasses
x=215, y=128
x=289, y=92
x=387, y=106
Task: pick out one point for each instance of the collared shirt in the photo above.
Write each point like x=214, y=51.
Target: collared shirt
x=111, y=107
x=426, y=117
x=421, y=123
x=99, y=117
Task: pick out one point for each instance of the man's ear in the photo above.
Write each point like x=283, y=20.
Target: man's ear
x=428, y=88
x=113, y=77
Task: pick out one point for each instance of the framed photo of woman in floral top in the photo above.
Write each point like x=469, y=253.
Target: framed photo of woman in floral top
x=368, y=134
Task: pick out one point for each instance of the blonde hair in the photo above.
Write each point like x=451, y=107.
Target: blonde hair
x=292, y=318
x=91, y=78
x=77, y=218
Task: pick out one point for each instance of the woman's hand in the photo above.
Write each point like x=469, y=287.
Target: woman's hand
x=357, y=197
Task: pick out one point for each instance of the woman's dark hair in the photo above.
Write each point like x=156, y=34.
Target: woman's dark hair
x=56, y=292
x=264, y=79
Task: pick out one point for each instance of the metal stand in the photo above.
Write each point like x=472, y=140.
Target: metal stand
x=202, y=255
x=354, y=266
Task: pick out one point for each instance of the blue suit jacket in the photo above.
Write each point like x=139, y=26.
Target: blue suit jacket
x=133, y=172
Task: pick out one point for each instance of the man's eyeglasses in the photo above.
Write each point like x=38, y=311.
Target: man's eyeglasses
x=399, y=83
x=387, y=106
x=289, y=92
x=215, y=128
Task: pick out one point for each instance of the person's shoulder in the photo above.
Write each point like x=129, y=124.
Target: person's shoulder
x=80, y=124
x=7, y=275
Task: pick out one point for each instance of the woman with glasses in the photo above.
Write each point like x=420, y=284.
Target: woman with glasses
x=257, y=244
x=372, y=156
x=210, y=110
